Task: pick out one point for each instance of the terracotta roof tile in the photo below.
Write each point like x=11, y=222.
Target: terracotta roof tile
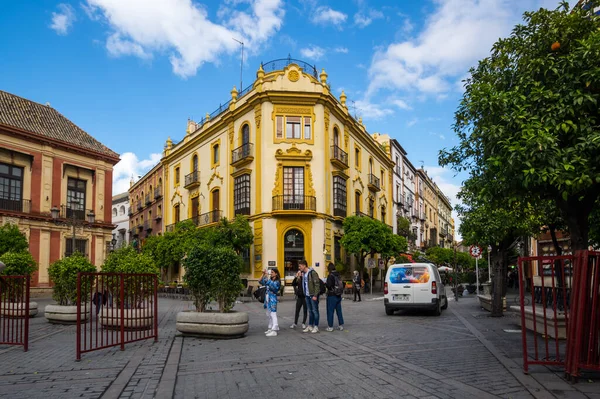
x=45, y=121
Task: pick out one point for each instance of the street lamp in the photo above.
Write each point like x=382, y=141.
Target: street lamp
x=113, y=243
x=72, y=221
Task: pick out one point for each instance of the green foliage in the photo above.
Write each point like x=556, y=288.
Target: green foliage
x=237, y=234
x=440, y=256
x=403, y=229
x=213, y=272
x=363, y=235
x=527, y=123
x=11, y=239
x=18, y=263
x=64, y=276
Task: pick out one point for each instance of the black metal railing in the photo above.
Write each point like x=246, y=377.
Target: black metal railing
x=15, y=205
x=147, y=225
x=242, y=152
x=208, y=218
x=398, y=170
x=147, y=199
x=130, y=212
x=245, y=91
x=139, y=205
x=192, y=178
x=294, y=203
x=361, y=214
x=66, y=212
x=374, y=180
x=341, y=212
x=157, y=192
x=339, y=154
x=243, y=211
x=279, y=64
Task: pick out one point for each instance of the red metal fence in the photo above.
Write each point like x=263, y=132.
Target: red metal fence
x=582, y=343
x=545, y=288
x=14, y=311
x=559, y=306
x=114, y=309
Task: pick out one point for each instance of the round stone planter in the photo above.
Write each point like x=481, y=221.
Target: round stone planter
x=212, y=324
x=11, y=309
x=60, y=314
x=134, y=319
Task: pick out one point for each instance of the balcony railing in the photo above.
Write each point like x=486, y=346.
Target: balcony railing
x=398, y=170
x=15, y=205
x=294, y=203
x=374, y=183
x=339, y=157
x=193, y=179
x=139, y=205
x=66, y=212
x=157, y=192
x=362, y=214
x=147, y=225
x=170, y=228
x=242, y=155
x=147, y=201
x=130, y=212
x=242, y=211
x=208, y=218
x=341, y=212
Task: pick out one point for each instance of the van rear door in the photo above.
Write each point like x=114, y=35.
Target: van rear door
x=422, y=286
x=400, y=285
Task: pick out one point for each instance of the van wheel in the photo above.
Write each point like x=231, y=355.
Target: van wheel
x=438, y=309
x=445, y=303
x=389, y=312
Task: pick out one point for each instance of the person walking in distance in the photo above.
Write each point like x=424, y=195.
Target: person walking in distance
x=311, y=286
x=356, y=285
x=271, y=279
x=335, y=289
x=300, y=300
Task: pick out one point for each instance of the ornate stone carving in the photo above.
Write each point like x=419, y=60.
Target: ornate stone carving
x=359, y=180
x=257, y=115
x=215, y=175
x=293, y=110
x=278, y=187
x=258, y=238
x=293, y=75
x=230, y=130
x=326, y=118
x=310, y=190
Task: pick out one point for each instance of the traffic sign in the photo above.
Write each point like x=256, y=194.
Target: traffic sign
x=381, y=264
x=475, y=251
x=371, y=263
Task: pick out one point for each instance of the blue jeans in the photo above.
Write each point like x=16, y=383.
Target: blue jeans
x=313, y=311
x=334, y=303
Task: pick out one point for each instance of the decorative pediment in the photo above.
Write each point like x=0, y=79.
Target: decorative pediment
x=174, y=199
x=293, y=154
x=383, y=200
x=359, y=180
x=214, y=176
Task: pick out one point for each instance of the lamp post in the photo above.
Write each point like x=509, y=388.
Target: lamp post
x=489, y=270
x=113, y=242
x=72, y=221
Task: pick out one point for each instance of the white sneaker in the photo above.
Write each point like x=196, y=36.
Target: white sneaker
x=307, y=329
x=315, y=330
x=293, y=326
x=329, y=329
x=268, y=331
x=303, y=326
x=341, y=328
x=272, y=334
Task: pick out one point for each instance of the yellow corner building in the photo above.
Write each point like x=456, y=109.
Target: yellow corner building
x=288, y=154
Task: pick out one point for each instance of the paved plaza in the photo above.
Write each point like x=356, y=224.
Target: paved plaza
x=462, y=354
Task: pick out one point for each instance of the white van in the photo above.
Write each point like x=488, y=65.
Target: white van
x=414, y=286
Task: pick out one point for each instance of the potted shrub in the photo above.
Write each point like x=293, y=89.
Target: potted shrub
x=213, y=273
x=471, y=279
x=63, y=274
x=19, y=263
x=137, y=310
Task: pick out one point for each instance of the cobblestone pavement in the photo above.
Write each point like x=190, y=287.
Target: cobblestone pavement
x=463, y=353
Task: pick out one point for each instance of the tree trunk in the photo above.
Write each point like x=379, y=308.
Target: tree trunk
x=558, y=265
x=576, y=212
x=497, y=280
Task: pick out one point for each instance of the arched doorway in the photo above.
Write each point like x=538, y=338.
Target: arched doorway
x=293, y=246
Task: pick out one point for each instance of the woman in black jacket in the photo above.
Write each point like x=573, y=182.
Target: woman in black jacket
x=356, y=285
x=300, y=300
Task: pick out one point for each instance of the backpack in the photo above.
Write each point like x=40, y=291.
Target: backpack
x=260, y=293
x=338, y=287
x=322, y=286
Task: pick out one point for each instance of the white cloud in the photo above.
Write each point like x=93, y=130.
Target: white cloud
x=455, y=36
x=326, y=15
x=182, y=29
x=313, y=52
x=363, y=20
x=342, y=50
x=412, y=122
x=401, y=104
x=130, y=167
x=63, y=20
x=442, y=178
x=368, y=110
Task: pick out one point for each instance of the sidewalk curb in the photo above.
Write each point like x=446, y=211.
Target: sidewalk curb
x=528, y=382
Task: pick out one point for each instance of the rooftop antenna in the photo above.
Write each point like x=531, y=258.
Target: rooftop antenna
x=241, y=63
x=422, y=164
x=354, y=108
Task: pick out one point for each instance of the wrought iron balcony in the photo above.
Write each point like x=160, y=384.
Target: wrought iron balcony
x=398, y=170
x=242, y=155
x=422, y=216
x=139, y=205
x=294, y=203
x=67, y=212
x=192, y=180
x=208, y=218
x=170, y=228
x=339, y=211
x=147, y=201
x=339, y=157
x=242, y=211
x=157, y=192
x=362, y=214
x=374, y=184
x=15, y=205
x=130, y=212
x=147, y=225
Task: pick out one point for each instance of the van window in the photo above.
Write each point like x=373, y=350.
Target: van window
x=409, y=274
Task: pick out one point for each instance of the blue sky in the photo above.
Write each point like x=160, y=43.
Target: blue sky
x=130, y=72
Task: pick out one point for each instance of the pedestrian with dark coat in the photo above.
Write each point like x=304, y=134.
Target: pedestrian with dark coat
x=300, y=300
x=334, y=302
x=356, y=285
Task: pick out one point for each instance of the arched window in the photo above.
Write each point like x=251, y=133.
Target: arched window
x=245, y=134
x=195, y=163
x=336, y=137
x=293, y=247
x=114, y=212
x=122, y=210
